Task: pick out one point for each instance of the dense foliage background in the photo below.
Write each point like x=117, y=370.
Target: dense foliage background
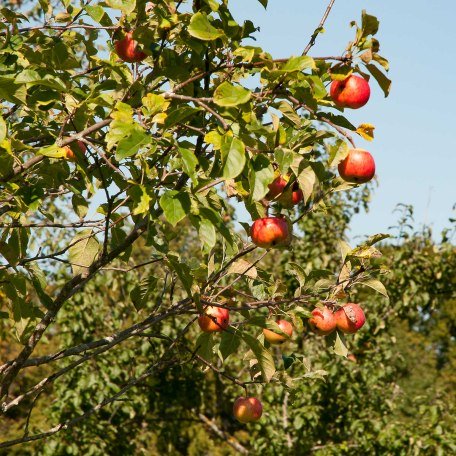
x=107, y=259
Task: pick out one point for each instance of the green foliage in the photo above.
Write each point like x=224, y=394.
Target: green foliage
x=108, y=258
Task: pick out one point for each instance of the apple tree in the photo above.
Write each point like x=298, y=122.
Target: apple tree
x=130, y=134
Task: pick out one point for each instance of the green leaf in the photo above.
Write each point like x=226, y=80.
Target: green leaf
x=204, y=346
x=233, y=157
x=83, y=251
x=369, y=24
x=264, y=356
x=126, y=6
x=130, y=145
x=383, y=81
x=229, y=343
x=183, y=272
x=229, y=95
x=175, y=205
x=339, y=345
x=201, y=28
x=190, y=162
x=306, y=179
x=260, y=176
x=298, y=64
x=337, y=152
x=377, y=286
x=3, y=129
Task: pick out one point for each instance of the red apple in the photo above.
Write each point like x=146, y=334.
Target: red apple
x=215, y=319
x=353, y=92
x=247, y=409
x=357, y=167
x=274, y=338
x=270, y=232
x=69, y=152
x=127, y=49
x=350, y=318
x=323, y=321
x=289, y=197
x=276, y=187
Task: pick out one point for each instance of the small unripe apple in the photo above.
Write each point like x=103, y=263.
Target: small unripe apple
x=270, y=232
x=357, y=167
x=274, y=338
x=127, y=49
x=247, y=409
x=353, y=92
x=350, y=318
x=322, y=321
x=69, y=152
x=215, y=319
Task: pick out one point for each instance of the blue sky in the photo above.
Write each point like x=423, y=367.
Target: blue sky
x=415, y=143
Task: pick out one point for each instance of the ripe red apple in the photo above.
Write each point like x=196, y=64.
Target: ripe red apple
x=350, y=318
x=127, y=49
x=247, y=409
x=289, y=197
x=274, y=338
x=270, y=232
x=353, y=92
x=69, y=152
x=215, y=319
x=323, y=321
x=276, y=187
x=357, y=167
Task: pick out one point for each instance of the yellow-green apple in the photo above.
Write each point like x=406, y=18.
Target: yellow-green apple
x=215, y=319
x=322, y=321
x=247, y=409
x=353, y=92
x=127, y=49
x=270, y=232
x=357, y=167
x=350, y=318
x=276, y=338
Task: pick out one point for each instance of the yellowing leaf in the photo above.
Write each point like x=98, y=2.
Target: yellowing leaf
x=366, y=131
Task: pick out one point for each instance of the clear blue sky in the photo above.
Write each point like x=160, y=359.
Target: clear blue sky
x=415, y=143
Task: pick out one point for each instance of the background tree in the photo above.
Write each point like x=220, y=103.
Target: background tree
x=117, y=235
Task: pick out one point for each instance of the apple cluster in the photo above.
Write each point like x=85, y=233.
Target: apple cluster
x=275, y=232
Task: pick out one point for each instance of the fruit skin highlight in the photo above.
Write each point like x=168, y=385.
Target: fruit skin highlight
x=247, y=409
x=126, y=49
x=353, y=92
x=323, y=321
x=270, y=232
x=215, y=319
x=350, y=318
x=70, y=154
x=274, y=338
x=357, y=167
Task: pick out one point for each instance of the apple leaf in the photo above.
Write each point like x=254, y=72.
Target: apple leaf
x=204, y=346
x=229, y=95
x=263, y=356
x=366, y=131
x=201, y=28
x=260, y=176
x=337, y=152
x=175, y=205
x=83, y=251
x=243, y=267
x=233, y=157
x=229, y=343
x=339, y=345
x=377, y=286
x=383, y=81
x=297, y=64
